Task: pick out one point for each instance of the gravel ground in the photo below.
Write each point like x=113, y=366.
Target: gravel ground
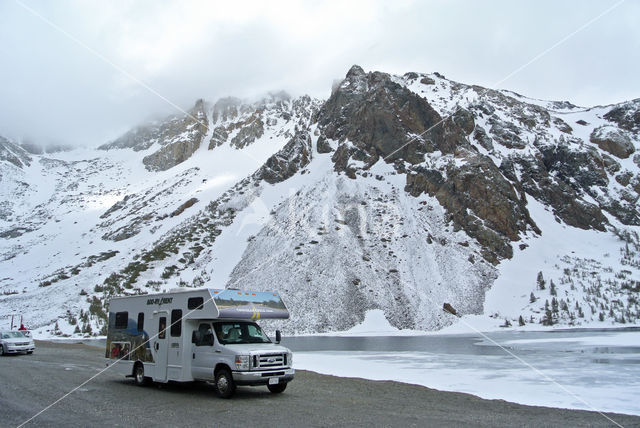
x=29, y=383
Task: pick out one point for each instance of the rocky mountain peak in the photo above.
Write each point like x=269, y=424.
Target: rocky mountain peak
x=372, y=116
x=355, y=71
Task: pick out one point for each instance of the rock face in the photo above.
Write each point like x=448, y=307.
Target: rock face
x=230, y=121
x=178, y=137
x=479, y=200
x=626, y=115
x=373, y=117
x=294, y=156
x=182, y=141
x=14, y=154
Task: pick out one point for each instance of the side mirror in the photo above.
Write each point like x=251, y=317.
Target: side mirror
x=278, y=336
x=208, y=339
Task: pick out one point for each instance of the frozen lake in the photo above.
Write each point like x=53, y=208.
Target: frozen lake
x=582, y=369
x=588, y=369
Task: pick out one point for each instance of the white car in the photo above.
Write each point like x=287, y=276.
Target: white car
x=14, y=341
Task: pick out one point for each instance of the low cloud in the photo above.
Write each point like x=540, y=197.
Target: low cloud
x=59, y=88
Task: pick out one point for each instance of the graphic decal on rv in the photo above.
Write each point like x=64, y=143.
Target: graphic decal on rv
x=249, y=305
x=160, y=301
x=129, y=343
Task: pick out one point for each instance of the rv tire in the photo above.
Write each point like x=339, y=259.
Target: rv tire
x=138, y=374
x=225, y=386
x=277, y=389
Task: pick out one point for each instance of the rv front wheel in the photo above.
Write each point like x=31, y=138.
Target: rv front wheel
x=138, y=375
x=225, y=386
x=278, y=388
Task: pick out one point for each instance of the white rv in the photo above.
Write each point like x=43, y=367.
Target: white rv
x=203, y=334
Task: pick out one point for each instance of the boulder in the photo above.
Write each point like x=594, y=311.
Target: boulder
x=613, y=140
x=323, y=145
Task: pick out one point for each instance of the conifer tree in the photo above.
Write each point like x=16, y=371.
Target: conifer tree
x=541, y=282
x=548, y=318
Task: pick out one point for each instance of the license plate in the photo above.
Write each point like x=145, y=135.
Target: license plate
x=273, y=381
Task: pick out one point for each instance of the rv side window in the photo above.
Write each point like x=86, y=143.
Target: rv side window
x=195, y=303
x=162, y=327
x=176, y=322
x=204, y=335
x=140, y=321
x=122, y=319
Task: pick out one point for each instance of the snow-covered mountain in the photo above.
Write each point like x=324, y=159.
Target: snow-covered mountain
x=398, y=193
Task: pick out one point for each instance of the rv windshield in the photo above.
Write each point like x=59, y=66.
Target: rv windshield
x=236, y=332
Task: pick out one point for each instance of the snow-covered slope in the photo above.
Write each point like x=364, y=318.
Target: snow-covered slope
x=397, y=194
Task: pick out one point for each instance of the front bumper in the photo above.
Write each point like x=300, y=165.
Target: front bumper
x=262, y=377
x=14, y=349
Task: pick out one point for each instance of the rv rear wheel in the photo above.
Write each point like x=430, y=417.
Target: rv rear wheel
x=278, y=388
x=138, y=375
x=225, y=386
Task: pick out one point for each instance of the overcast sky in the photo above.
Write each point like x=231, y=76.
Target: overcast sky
x=79, y=83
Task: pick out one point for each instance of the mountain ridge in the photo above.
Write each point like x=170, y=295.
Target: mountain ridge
x=354, y=203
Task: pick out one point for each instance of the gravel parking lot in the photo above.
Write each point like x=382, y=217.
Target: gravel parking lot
x=29, y=383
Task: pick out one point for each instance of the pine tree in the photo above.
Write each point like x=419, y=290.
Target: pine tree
x=86, y=328
x=521, y=321
x=532, y=298
x=540, y=281
x=552, y=288
x=548, y=318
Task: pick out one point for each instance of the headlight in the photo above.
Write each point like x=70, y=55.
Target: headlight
x=242, y=362
x=289, y=359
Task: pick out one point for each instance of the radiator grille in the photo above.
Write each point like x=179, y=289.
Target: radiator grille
x=269, y=361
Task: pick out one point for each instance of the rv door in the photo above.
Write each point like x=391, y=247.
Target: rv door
x=160, y=350
x=203, y=357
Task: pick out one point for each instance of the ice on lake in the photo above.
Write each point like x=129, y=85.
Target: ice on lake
x=579, y=369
